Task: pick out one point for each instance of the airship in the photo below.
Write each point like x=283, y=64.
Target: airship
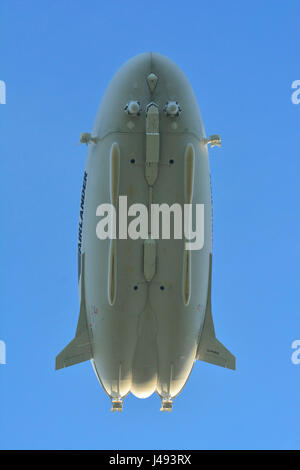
x=145, y=301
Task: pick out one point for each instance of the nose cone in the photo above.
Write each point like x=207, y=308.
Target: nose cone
x=144, y=78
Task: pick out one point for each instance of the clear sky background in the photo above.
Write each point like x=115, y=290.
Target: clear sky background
x=241, y=57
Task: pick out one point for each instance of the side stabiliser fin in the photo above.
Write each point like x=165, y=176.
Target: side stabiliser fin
x=80, y=348
x=210, y=349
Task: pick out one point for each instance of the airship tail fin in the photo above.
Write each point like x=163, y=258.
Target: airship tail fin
x=214, y=352
x=80, y=348
x=210, y=349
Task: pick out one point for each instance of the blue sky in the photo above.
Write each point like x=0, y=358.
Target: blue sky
x=57, y=58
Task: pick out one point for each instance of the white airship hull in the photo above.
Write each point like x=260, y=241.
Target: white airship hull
x=145, y=310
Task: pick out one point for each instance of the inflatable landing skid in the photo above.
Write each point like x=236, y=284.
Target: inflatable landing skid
x=117, y=404
x=166, y=404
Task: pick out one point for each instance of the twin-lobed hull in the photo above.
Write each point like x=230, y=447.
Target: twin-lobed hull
x=144, y=302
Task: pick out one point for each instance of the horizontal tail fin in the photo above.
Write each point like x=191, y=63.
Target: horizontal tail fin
x=210, y=349
x=80, y=348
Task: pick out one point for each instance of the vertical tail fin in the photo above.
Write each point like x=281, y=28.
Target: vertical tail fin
x=209, y=348
x=80, y=348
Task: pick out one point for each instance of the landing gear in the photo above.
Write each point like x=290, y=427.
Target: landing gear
x=116, y=405
x=166, y=404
